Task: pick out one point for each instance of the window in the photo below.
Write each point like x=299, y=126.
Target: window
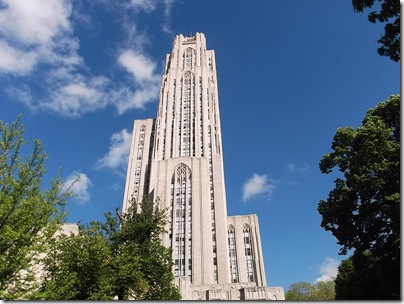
x=181, y=192
x=138, y=166
x=186, y=120
x=232, y=255
x=189, y=58
x=249, y=255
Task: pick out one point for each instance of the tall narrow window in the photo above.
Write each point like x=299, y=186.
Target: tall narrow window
x=200, y=118
x=249, y=255
x=232, y=255
x=181, y=228
x=138, y=163
x=186, y=123
x=172, y=119
x=189, y=58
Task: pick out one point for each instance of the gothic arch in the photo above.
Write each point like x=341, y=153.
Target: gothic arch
x=249, y=253
x=188, y=75
x=188, y=58
x=231, y=235
x=181, y=227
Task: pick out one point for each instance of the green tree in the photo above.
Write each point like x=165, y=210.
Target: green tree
x=325, y=290
x=79, y=267
x=368, y=277
x=29, y=215
x=388, y=10
x=363, y=210
x=120, y=258
x=141, y=228
x=304, y=291
x=346, y=286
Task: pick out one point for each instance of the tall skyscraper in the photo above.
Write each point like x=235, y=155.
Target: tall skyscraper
x=177, y=160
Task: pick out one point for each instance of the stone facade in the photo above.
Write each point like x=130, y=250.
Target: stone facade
x=176, y=159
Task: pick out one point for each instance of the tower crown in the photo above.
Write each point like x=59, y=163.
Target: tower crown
x=188, y=113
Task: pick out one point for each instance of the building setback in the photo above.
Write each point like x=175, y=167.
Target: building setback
x=177, y=160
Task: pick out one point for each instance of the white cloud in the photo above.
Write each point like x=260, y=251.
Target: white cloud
x=33, y=21
x=293, y=168
x=167, y=12
x=37, y=41
x=14, y=60
x=78, y=183
x=137, y=99
x=328, y=270
x=258, y=185
x=35, y=33
x=147, y=5
x=78, y=97
x=118, y=153
x=79, y=89
x=142, y=69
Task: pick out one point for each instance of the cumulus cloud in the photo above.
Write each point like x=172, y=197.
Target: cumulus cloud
x=135, y=100
x=78, y=96
x=117, y=156
x=40, y=38
x=32, y=22
x=167, y=12
x=328, y=270
x=141, y=67
x=15, y=60
x=78, y=183
x=258, y=185
x=147, y=80
x=147, y=5
x=35, y=33
x=293, y=168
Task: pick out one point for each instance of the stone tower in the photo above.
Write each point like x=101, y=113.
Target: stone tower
x=177, y=160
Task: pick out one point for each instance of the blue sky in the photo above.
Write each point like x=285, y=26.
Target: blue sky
x=289, y=74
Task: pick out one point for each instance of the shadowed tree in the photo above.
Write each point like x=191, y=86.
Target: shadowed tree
x=388, y=11
x=363, y=210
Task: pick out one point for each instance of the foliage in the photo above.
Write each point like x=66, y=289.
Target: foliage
x=363, y=210
x=368, y=277
x=79, y=267
x=113, y=259
x=29, y=215
x=306, y=291
x=141, y=232
x=389, y=9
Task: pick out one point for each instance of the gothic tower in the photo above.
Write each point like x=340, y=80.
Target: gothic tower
x=177, y=159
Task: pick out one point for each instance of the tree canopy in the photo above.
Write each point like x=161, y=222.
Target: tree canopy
x=121, y=258
x=363, y=210
x=304, y=291
x=368, y=277
x=29, y=215
x=389, y=11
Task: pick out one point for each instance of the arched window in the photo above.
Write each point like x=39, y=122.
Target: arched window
x=173, y=118
x=232, y=254
x=138, y=163
x=189, y=58
x=249, y=255
x=186, y=130
x=181, y=228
